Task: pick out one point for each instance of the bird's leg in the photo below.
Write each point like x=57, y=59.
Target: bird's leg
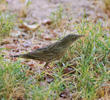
x=46, y=64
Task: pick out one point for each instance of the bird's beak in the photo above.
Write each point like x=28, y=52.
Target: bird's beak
x=81, y=35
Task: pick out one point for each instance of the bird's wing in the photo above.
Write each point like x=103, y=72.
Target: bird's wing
x=43, y=54
x=47, y=48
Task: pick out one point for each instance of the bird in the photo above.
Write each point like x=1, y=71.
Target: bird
x=51, y=52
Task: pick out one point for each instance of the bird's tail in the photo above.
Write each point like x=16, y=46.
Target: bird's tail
x=16, y=56
x=28, y=56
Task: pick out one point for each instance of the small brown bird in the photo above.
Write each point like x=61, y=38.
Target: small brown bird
x=53, y=51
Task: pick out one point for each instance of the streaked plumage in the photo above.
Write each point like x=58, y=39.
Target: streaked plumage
x=53, y=51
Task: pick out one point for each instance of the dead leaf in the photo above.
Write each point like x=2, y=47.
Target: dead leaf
x=11, y=46
x=49, y=78
x=31, y=64
x=16, y=50
x=47, y=22
x=46, y=37
x=15, y=41
x=5, y=42
x=64, y=94
x=36, y=47
x=29, y=27
x=69, y=70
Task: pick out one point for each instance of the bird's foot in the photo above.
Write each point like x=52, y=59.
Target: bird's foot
x=46, y=65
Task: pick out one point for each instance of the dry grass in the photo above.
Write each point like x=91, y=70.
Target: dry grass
x=107, y=6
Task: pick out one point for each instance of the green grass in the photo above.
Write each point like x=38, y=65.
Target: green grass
x=57, y=18
x=6, y=23
x=91, y=55
x=12, y=76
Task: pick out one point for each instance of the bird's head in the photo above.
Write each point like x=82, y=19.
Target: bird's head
x=69, y=39
x=72, y=37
